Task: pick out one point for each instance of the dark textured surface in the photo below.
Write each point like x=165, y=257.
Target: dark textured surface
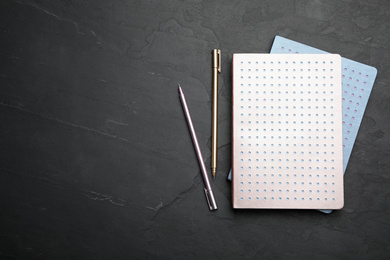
x=96, y=159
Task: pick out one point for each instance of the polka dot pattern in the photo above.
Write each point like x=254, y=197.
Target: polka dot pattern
x=357, y=82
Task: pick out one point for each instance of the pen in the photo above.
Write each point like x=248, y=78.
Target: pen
x=208, y=191
x=214, y=143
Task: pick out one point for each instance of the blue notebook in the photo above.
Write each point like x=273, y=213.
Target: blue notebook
x=357, y=82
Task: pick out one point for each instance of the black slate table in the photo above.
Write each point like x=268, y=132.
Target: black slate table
x=96, y=159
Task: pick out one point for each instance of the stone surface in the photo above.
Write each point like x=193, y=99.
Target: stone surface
x=96, y=158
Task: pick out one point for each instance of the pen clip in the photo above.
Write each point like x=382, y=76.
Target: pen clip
x=219, y=60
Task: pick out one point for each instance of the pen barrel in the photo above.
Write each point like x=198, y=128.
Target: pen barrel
x=195, y=142
x=214, y=141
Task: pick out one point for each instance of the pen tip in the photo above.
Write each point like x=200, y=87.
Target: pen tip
x=214, y=172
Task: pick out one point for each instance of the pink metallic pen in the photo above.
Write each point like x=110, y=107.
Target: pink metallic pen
x=208, y=191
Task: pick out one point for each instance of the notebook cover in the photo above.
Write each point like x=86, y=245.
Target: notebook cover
x=361, y=89
x=287, y=131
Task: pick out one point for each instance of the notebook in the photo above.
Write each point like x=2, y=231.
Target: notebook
x=287, y=131
x=362, y=77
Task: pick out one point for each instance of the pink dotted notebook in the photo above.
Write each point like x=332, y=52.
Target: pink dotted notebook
x=287, y=131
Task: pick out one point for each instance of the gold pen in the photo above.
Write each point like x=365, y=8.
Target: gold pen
x=216, y=69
